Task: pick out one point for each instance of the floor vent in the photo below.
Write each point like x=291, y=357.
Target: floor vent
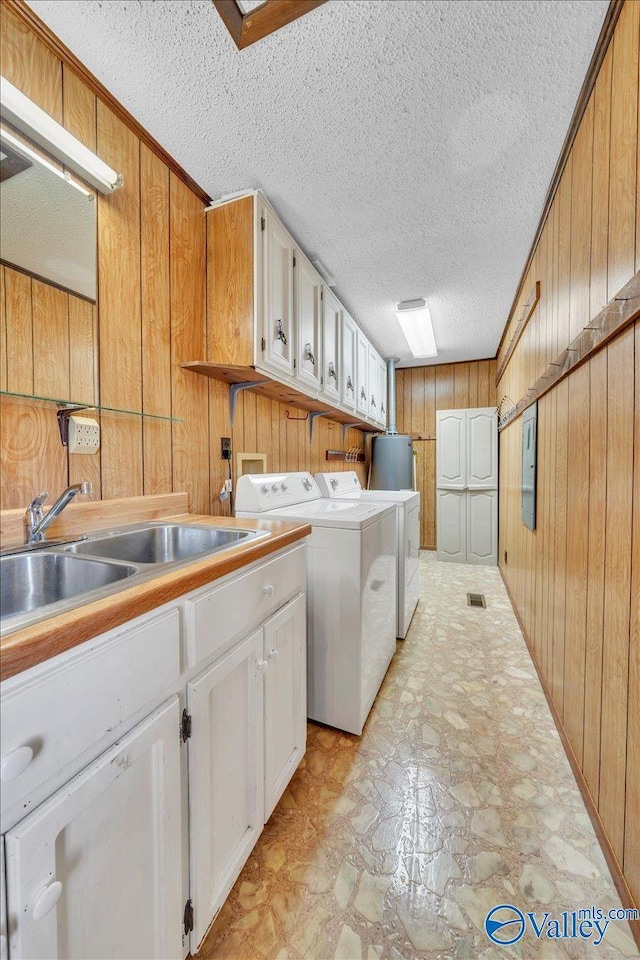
x=476, y=600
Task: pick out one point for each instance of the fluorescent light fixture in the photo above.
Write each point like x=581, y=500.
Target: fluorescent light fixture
x=47, y=133
x=24, y=150
x=415, y=320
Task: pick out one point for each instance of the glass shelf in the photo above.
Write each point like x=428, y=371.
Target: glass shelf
x=70, y=404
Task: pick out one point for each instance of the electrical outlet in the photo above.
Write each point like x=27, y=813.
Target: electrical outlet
x=228, y=485
x=84, y=435
x=225, y=448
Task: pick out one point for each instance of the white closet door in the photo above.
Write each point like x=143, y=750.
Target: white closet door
x=285, y=698
x=331, y=330
x=451, y=449
x=278, y=296
x=307, y=286
x=452, y=525
x=482, y=449
x=482, y=526
x=96, y=871
x=226, y=779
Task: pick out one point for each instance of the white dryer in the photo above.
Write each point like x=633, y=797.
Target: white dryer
x=346, y=486
x=351, y=591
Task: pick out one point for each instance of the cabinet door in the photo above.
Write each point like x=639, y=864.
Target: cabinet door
x=96, y=870
x=362, y=374
x=277, y=327
x=331, y=329
x=285, y=699
x=482, y=526
x=382, y=391
x=482, y=449
x=348, y=379
x=226, y=798
x=307, y=287
x=374, y=384
x=451, y=449
x=452, y=525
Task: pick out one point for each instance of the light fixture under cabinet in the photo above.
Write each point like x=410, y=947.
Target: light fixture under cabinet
x=415, y=319
x=27, y=117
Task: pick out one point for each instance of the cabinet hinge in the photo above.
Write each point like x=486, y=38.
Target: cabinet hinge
x=294, y=363
x=322, y=294
x=263, y=343
x=294, y=259
x=188, y=916
x=185, y=726
x=321, y=381
x=262, y=223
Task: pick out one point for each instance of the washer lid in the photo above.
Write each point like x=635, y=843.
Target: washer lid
x=402, y=497
x=339, y=513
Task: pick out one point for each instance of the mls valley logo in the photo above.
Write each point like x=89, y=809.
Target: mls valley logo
x=506, y=924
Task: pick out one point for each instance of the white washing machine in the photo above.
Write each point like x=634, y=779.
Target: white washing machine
x=346, y=486
x=351, y=591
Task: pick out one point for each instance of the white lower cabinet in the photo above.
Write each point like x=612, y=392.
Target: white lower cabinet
x=226, y=785
x=285, y=699
x=140, y=843
x=94, y=871
x=248, y=712
x=467, y=526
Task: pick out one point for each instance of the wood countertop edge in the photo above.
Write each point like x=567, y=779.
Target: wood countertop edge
x=39, y=642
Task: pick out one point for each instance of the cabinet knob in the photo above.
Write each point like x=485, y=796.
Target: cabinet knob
x=273, y=655
x=15, y=763
x=46, y=900
x=267, y=590
x=262, y=665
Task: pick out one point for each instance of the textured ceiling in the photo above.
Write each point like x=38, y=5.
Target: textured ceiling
x=407, y=144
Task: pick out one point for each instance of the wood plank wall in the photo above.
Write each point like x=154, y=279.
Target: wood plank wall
x=420, y=392
x=575, y=581
x=127, y=351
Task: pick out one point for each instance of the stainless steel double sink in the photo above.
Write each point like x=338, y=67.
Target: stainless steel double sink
x=59, y=576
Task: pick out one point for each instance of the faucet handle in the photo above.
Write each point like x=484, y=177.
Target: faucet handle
x=86, y=488
x=38, y=501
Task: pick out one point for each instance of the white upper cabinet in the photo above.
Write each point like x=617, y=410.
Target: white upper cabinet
x=450, y=450
x=362, y=374
x=382, y=392
x=348, y=379
x=331, y=335
x=482, y=448
x=374, y=384
x=307, y=286
x=96, y=870
x=277, y=326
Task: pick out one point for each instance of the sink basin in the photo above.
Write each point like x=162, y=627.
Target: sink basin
x=164, y=543
x=34, y=580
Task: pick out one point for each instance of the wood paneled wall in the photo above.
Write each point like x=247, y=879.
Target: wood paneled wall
x=575, y=581
x=128, y=350
x=420, y=392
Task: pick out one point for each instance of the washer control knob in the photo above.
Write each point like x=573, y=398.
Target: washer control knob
x=264, y=488
x=334, y=482
x=283, y=486
x=274, y=487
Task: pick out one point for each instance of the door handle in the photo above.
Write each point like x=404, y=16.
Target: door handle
x=280, y=334
x=46, y=900
x=273, y=656
x=261, y=665
x=15, y=763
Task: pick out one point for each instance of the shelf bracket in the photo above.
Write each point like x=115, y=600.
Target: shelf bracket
x=312, y=419
x=347, y=426
x=63, y=421
x=235, y=389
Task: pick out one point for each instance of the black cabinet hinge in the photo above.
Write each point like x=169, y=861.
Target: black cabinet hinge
x=322, y=294
x=294, y=259
x=294, y=364
x=262, y=223
x=264, y=344
x=185, y=726
x=188, y=917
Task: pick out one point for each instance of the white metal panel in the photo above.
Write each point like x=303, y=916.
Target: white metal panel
x=331, y=336
x=482, y=526
x=452, y=525
x=307, y=287
x=226, y=777
x=451, y=449
x=482, y=449
x=362, y=373
x=285, y=698
x=278, y=296
x=108, y=845
x=348, y=378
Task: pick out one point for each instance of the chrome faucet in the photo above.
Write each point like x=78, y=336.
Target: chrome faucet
x=35, y=521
